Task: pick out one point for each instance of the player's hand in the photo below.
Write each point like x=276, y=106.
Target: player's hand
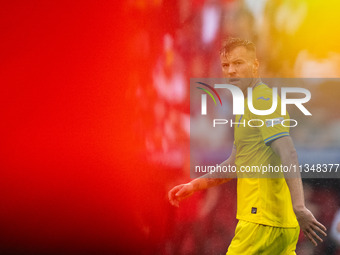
x=309, y=225
x=179, y=193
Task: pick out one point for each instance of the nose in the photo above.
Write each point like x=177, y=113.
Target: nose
x=231, y=70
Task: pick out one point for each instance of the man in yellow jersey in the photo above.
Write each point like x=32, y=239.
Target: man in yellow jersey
x=270, y=211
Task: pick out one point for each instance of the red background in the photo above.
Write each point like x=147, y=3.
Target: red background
x=71, y=181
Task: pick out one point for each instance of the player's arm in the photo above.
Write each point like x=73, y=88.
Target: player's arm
x=284, y=147
x=180, y=192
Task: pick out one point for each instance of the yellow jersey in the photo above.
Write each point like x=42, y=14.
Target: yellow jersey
x=261, y=199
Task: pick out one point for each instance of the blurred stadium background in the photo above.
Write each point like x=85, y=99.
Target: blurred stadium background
x=96, y=125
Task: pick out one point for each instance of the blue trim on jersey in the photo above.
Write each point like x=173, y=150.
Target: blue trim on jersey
x=266, y=99
x=239, y=121
x=273, y=137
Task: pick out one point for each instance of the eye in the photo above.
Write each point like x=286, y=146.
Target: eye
x=225, y=65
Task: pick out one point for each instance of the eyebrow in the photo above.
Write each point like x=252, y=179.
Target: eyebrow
x=238, y=59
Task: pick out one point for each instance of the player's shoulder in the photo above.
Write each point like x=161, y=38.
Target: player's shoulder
x=262, y=96
x=262, y=90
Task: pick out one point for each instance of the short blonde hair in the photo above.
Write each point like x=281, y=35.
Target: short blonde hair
x=231, y=43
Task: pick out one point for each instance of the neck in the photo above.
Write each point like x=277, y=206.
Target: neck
x=252, y=84
x=255, y=82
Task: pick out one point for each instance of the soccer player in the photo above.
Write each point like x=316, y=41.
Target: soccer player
x=270, y=211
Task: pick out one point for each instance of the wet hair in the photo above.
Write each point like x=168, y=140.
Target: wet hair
x=231, y=43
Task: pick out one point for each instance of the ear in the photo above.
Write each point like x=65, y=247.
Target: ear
x=256, y=65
